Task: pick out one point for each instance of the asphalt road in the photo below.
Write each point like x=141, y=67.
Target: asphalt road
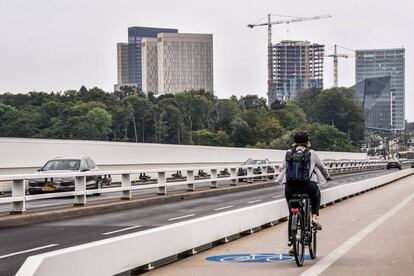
x=17, y=243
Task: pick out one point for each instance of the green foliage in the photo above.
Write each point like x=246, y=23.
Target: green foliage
x=291, y=116
x=205, y=137
x=338, y=107
x=326, y=137
x=332, y=116
x=253, y=103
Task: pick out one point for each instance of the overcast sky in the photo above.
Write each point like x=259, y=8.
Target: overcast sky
x=56, y=45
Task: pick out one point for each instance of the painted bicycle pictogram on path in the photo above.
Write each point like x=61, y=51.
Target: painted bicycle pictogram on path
x=253, y=258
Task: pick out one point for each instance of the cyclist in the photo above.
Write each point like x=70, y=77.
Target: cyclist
x=317, y=172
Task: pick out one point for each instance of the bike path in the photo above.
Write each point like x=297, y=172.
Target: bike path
x=370, y=234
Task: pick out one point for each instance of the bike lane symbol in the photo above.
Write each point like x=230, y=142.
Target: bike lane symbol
x=252, y=258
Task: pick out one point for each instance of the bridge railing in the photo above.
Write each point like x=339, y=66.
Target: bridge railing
x=217, y=175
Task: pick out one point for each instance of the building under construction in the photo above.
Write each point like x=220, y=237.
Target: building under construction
x=296, y=66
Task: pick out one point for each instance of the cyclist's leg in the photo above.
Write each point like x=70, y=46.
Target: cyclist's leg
x=315, y=200
x=312, y=190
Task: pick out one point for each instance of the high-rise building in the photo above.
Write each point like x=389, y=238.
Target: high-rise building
x=150, y=65
x=382, y=63
x=375, y=97
x=122, y=62
x=185, y=62
x=135, y=36
x=297, y=66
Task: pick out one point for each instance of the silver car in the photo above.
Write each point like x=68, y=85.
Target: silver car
x=65, y=184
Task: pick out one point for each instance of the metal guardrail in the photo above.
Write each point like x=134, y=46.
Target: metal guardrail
x=18, y=196
x=123, y=253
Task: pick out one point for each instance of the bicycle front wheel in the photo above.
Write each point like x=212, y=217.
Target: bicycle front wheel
x=298, y=240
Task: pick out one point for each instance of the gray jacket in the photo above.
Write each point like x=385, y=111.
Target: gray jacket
x=319, y=172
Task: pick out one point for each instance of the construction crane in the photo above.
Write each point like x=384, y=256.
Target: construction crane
x=335, y=57
x=269, y=39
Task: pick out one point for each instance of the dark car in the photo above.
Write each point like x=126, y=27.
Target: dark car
x=261, y=163
x=66, y=184
x=393, y=164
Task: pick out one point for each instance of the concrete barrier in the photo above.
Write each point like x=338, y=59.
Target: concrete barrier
x=20, y=153
x=119, y=254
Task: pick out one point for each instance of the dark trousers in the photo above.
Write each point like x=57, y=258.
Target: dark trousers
x=311, y=189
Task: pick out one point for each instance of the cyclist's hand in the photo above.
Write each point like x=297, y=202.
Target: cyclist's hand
x=328, y=179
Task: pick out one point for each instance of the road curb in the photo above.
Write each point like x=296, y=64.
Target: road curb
x=45, y=215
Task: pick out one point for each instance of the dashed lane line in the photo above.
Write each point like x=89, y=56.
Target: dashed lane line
x=186, y=216
x=254, y=201
x=223, y=208
x=122, y=230
x=27, y=251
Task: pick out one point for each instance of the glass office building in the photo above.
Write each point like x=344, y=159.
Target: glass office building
x=375, y=97
x=135, y=36
x=385, y=63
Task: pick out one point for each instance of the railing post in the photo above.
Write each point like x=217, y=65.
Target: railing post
x=162, y=183
x=214, y=183
x=190, y=177
x=80, y=186
x=18, y=190
x=233, y=175
x=264, y=171
x=249, y=175
x=126, y=184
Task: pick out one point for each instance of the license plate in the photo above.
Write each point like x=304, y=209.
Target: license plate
x=48, y=189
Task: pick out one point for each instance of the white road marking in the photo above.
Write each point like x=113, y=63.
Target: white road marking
x=186, y=216
x=222, y=208
x=254, y=201
x=28, y=250
x=329, y=259
x=277, y=196
x=121, y=230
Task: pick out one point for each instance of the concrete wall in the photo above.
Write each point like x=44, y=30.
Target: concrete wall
x=19, y=153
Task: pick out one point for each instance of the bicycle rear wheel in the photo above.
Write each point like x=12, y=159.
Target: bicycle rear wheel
x=298, y=240
x=312, y=244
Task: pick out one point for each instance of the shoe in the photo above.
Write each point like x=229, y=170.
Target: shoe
x=316, y=224
x=291, y=251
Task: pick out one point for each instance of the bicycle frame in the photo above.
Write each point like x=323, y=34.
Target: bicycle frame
x=301, y=231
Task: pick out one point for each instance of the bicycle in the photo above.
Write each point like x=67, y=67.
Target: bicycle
x=301, y=231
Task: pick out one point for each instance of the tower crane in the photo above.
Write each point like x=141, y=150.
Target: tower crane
x=269, y=24
x=335, y=57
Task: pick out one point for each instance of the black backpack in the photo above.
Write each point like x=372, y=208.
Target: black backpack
x=298, y=166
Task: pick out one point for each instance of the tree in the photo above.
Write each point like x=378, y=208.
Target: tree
x=308, y=101
x=171, y=127
x=242, y=135
x=276, y=105
x=226, y=112
x=7, y=116
x=142, y=110
x=205, y=137
x=329, y=138
x=339, y=107
x=253, y=103
x=223, y=139
x=268, y=128
x=291, y=116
